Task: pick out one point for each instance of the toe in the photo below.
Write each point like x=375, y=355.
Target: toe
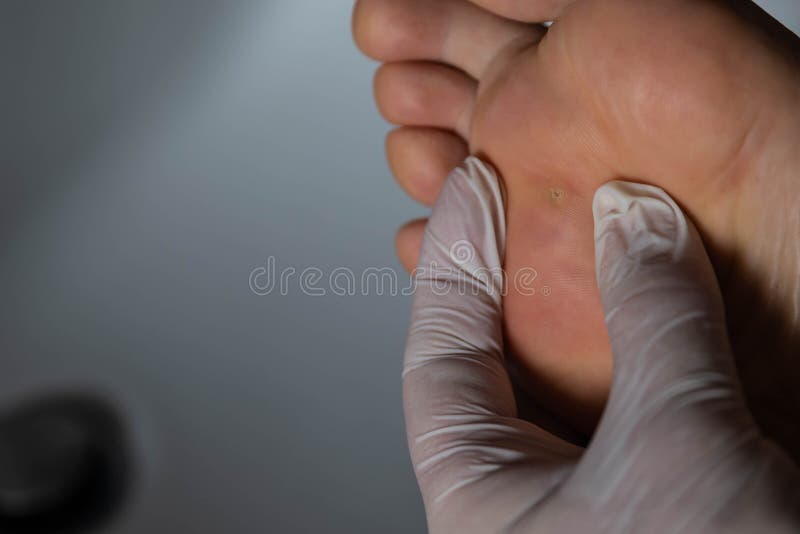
x=422, y=158
x=450, y=31
x=425, y=94
x=408, y=243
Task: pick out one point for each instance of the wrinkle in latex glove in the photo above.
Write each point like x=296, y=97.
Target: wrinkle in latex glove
x=676, y=450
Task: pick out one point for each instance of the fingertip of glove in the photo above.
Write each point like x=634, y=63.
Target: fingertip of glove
x=619, y=198
x=470, y=212
x=635, y=224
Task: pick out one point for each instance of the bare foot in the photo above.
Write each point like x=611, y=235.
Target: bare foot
x=692, y=96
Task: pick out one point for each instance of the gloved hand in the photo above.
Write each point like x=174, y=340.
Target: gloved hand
x=676, y=449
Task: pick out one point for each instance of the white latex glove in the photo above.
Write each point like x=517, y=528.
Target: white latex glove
x=676, y=450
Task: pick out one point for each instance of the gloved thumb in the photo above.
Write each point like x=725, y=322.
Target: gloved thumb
x=674, y=386
x=663, y=306
x=676, y=445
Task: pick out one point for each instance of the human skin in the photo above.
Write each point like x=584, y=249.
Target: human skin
x=699, y=97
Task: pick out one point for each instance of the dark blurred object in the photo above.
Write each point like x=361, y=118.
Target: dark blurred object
x=64, y=466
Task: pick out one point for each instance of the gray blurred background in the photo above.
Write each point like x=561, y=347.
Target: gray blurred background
x=153, y=154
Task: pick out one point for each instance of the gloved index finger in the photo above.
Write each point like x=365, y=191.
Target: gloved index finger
x=461, y=415
x=454, y=351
